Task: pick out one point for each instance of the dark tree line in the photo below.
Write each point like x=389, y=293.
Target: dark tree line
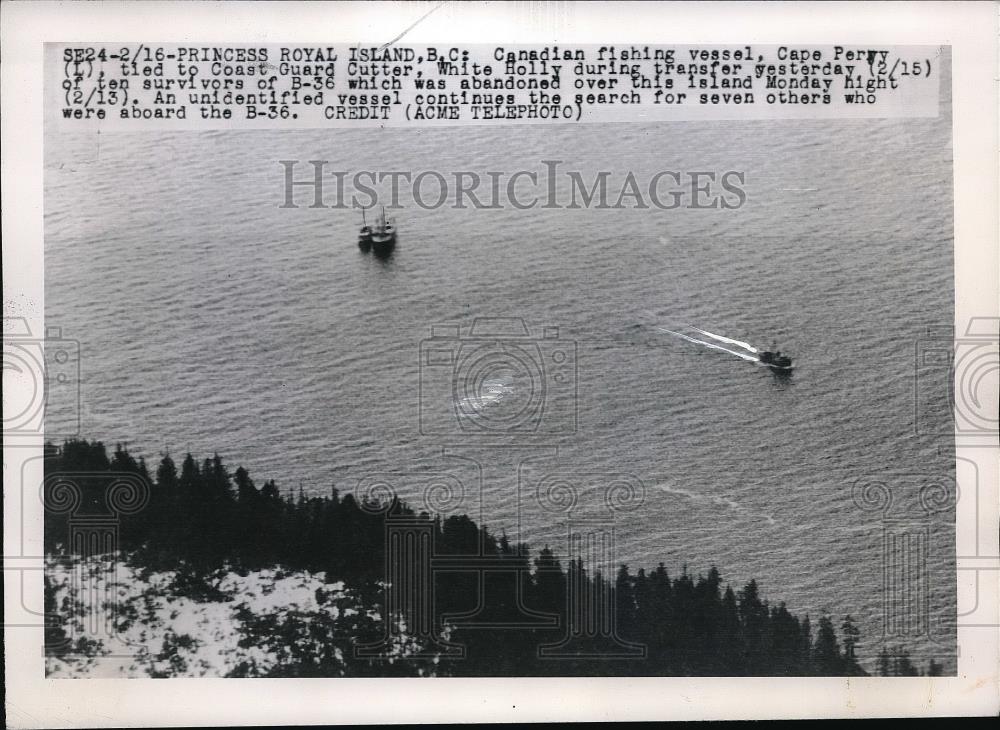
x=521, y=616
x=895, y=661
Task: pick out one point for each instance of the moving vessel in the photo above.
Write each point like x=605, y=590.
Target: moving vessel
x=775, y=360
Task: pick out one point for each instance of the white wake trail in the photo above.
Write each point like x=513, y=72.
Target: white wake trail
x=720, y=338
x=744, y=355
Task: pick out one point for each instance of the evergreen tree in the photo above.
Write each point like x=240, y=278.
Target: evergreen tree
x=246, y=492
x=786, y=646
x=805, y=646
x=903, y=667
x=203, y=519
x=190, y=482
x=625, y=607
x=165, y=504
x=851, y=634
x=826, y=651
x=753, y=622
x=730, y=635
x=884, y=666
x=271, y=494
x=123, y=461
x=166, y=478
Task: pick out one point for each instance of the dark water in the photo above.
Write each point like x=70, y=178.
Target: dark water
x=209, y=319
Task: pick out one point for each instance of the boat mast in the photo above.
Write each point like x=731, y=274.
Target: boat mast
x=363, y=221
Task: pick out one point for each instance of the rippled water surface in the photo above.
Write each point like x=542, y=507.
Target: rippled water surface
x=211, y=319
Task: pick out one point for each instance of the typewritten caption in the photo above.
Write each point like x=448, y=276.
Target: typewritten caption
x=176, y=86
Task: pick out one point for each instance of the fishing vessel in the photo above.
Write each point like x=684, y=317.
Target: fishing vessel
x=383, y=235
x=365, y=234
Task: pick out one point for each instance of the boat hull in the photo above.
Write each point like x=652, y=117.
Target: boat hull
x=365, y=238
x=775, y=361
x=382, y=245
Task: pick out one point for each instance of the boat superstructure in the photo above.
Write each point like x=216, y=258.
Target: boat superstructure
x=383, y=235
x=775, y=360
x=365, y=234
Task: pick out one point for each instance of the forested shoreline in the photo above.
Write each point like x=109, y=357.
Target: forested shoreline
x=200, y=520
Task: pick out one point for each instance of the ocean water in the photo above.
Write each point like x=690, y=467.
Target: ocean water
x=212, y=320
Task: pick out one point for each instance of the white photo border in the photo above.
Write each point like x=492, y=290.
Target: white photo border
x=969, y=28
